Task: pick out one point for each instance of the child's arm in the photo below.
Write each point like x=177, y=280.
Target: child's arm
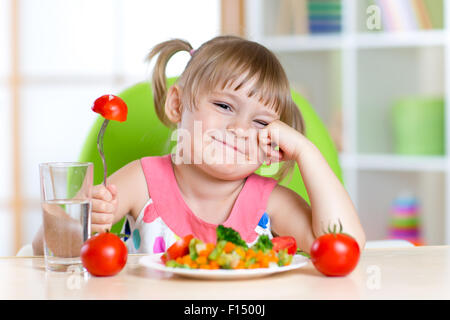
x=330, y=203
x=290, y=215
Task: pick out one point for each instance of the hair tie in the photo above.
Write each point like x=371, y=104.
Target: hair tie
x=192, y=52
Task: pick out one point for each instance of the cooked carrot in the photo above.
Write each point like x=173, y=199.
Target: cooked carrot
x=265, y=262
x=201, y=260
x=273, y=256
x=193, y=265
x=229, y=247
x=259, y=255
x=210, y=247
x=186, y=260
x=208, y=250
x=250, y=253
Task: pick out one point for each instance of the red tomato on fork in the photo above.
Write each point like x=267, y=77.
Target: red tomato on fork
x=111, y=107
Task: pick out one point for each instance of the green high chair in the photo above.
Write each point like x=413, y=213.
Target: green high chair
x=144, y=135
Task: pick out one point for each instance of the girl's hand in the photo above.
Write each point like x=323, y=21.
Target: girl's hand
x=279, y=134
x=104, y=204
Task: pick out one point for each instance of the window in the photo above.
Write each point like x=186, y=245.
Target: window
x=69, y=53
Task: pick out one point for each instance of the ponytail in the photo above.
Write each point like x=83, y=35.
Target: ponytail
x=159, y=82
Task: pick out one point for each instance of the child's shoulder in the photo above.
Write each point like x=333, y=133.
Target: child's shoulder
x=131, y=168
x=131, y=182
x=132, y=175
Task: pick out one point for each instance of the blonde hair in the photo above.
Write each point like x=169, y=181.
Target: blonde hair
x=219, y=62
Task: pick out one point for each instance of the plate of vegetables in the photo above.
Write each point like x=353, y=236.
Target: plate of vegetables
x=229, y=258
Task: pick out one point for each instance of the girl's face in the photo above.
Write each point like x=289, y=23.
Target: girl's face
x=221, y=132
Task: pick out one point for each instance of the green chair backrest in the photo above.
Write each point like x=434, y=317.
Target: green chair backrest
x=144, y=135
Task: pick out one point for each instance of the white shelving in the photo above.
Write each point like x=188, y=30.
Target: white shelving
x=398, y=40
x=360, y=41
x=303, y=43
x=389, y=162
x=358, y=71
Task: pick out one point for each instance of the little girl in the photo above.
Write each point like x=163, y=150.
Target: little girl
x=232, y=110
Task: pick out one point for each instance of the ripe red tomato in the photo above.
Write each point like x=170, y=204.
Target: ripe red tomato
x=104, y=254
x=111, y=107
x=285, y=242
x=335, y=254
x=178, y=249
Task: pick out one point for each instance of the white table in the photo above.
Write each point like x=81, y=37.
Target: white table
x=395, y=273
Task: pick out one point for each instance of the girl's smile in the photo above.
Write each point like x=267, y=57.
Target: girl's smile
x=229, y=145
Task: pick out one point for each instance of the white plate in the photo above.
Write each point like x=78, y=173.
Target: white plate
x=154, y=262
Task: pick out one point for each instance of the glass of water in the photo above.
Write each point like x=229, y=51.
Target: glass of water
x=66, y=196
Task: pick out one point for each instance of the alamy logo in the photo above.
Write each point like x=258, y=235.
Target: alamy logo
x=213, y=146
x=374, y=279
x=373, y=21
x=75, y=278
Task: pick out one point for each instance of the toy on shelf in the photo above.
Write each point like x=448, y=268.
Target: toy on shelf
x=404, y=221
x=418, y=126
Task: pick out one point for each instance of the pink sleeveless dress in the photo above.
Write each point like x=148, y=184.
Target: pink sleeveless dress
x=165, y=218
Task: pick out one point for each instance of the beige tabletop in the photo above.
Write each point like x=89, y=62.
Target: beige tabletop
x=397, y=273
